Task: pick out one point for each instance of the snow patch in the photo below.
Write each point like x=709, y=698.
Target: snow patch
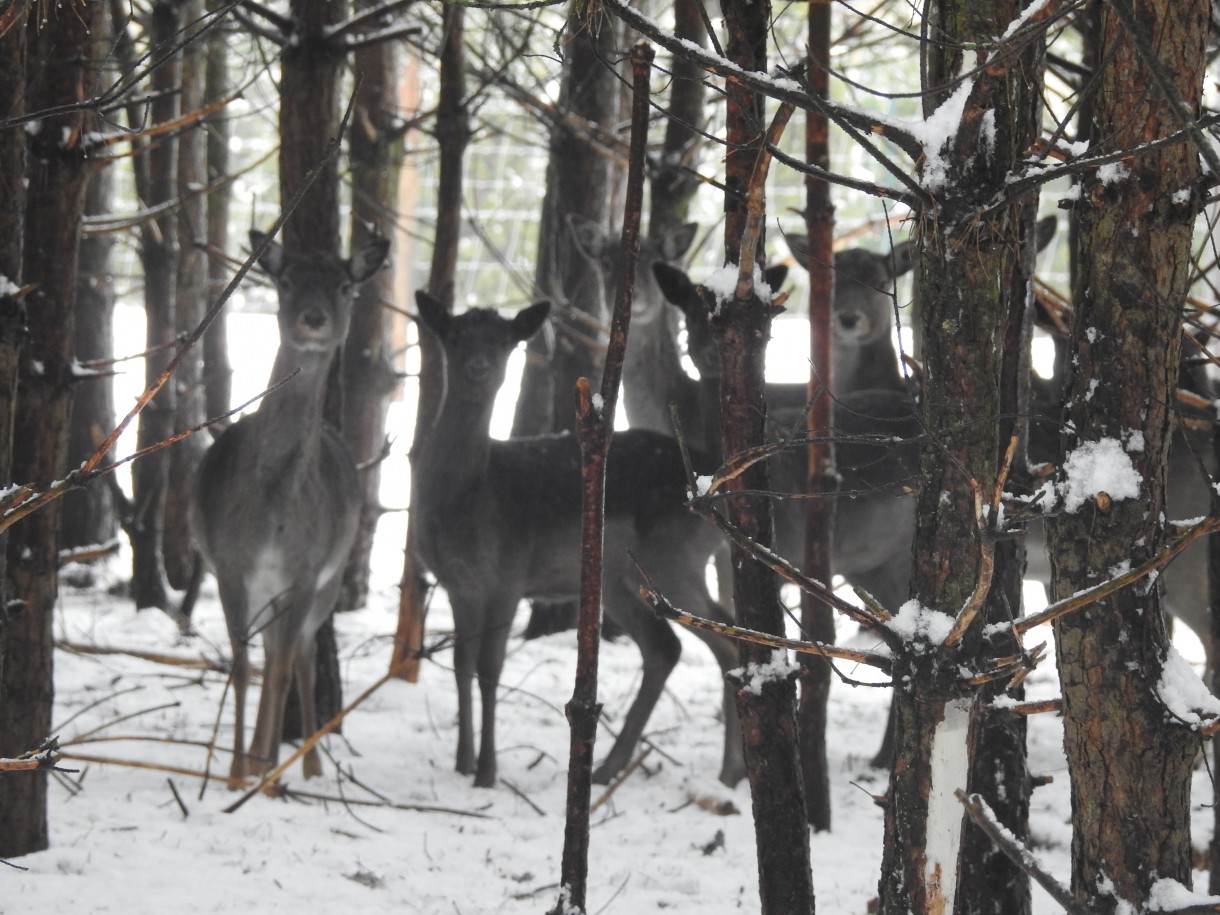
x=915, y=622
x=1183, y=693
x=1096, y=467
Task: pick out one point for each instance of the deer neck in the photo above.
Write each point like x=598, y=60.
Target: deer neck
x=290, y=418
x=455, y=458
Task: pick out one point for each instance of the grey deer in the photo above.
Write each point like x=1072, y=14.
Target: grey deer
x=499, y=521
x=877, y=436
x=652, y=365
x=276, y=501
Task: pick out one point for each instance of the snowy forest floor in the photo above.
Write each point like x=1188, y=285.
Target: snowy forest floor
x=671, y=838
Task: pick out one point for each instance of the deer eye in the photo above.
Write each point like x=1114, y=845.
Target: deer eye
x=345, y=288
x=284, y=284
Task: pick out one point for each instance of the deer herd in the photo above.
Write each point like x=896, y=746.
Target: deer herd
x=276, y=500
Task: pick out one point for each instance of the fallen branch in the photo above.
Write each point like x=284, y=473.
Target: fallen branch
x=982, y=816
x=155, y=657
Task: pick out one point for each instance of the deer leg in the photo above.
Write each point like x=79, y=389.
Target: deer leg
x=468, y=639
x=306, y=671
x=240, y=676
x=491, y=665
x=269, y=727
x=233, y=601
x=690, y=591
x=659, y=653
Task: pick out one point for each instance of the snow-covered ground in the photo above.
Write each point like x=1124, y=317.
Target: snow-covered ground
x=392, y=827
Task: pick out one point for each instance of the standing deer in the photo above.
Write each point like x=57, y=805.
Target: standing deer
x=276, y=502
x=499, y=521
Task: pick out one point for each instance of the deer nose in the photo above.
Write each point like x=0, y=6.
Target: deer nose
x=314, y=319
x=478, y=369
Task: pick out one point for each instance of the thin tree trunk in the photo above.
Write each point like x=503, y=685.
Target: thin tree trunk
x=14, y=727
x=60, y=70
x=375, y=151
x=768, y=707
x=453, y=133
x=577, y=182
x=1130, y=764
x=673, y=184
x=217, y=372
x=817, y=617
x=88, y=514
x=190, y=305
x=159, y=257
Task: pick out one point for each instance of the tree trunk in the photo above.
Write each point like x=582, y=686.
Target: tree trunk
x=971, y=307
x=1130, y=764
x=766, y=703
x=217, y=372
x=12, y=335
x=817, y=617
x=190, y=305
x=60, y=73
x=452, y=134
x=309, y=120
x=673, y=184
x=88, y=514
x=159, y=257
x=577, y=182
x=375, y=151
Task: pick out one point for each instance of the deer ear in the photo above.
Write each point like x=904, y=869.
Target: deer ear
x=529, y=320
x=1044, y=231
x=433, y=313
x=368, y=258
x=799, y=246
x=774, y=277
x=677, y=241
x=901, y=259
x=271, y=260
x=677, y=288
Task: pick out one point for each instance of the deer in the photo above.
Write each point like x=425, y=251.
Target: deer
x=275, y=504
x=499, y=522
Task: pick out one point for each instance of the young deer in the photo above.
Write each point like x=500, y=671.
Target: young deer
x=652, y=366
x=876, y=442
x=277, y=499
x=499, y=521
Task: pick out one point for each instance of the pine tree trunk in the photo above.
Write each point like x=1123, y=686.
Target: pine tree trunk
x=1130, y=765
x=577, y=182
x=768, y=707
x=159, y=257
x=60, y=72
x=217, y=372
x=88, y=514
x=971, y=307
x=375, y=152
x=190, y=305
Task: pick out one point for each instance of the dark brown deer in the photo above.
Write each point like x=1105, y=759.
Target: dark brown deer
x=499, y=522
x=277, y=499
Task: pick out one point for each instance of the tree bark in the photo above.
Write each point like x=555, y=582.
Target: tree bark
x=12, y=318
x=89, y=514
x=60, y=71
x=190, y=305
x=765, y=702
x=1130, y=764
x=217, y=372
x=577, y=182
x=817, y=617
x=971, y=307
x=309, y=120
x=159, y=257
x=369, y=378
x=452, y=134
